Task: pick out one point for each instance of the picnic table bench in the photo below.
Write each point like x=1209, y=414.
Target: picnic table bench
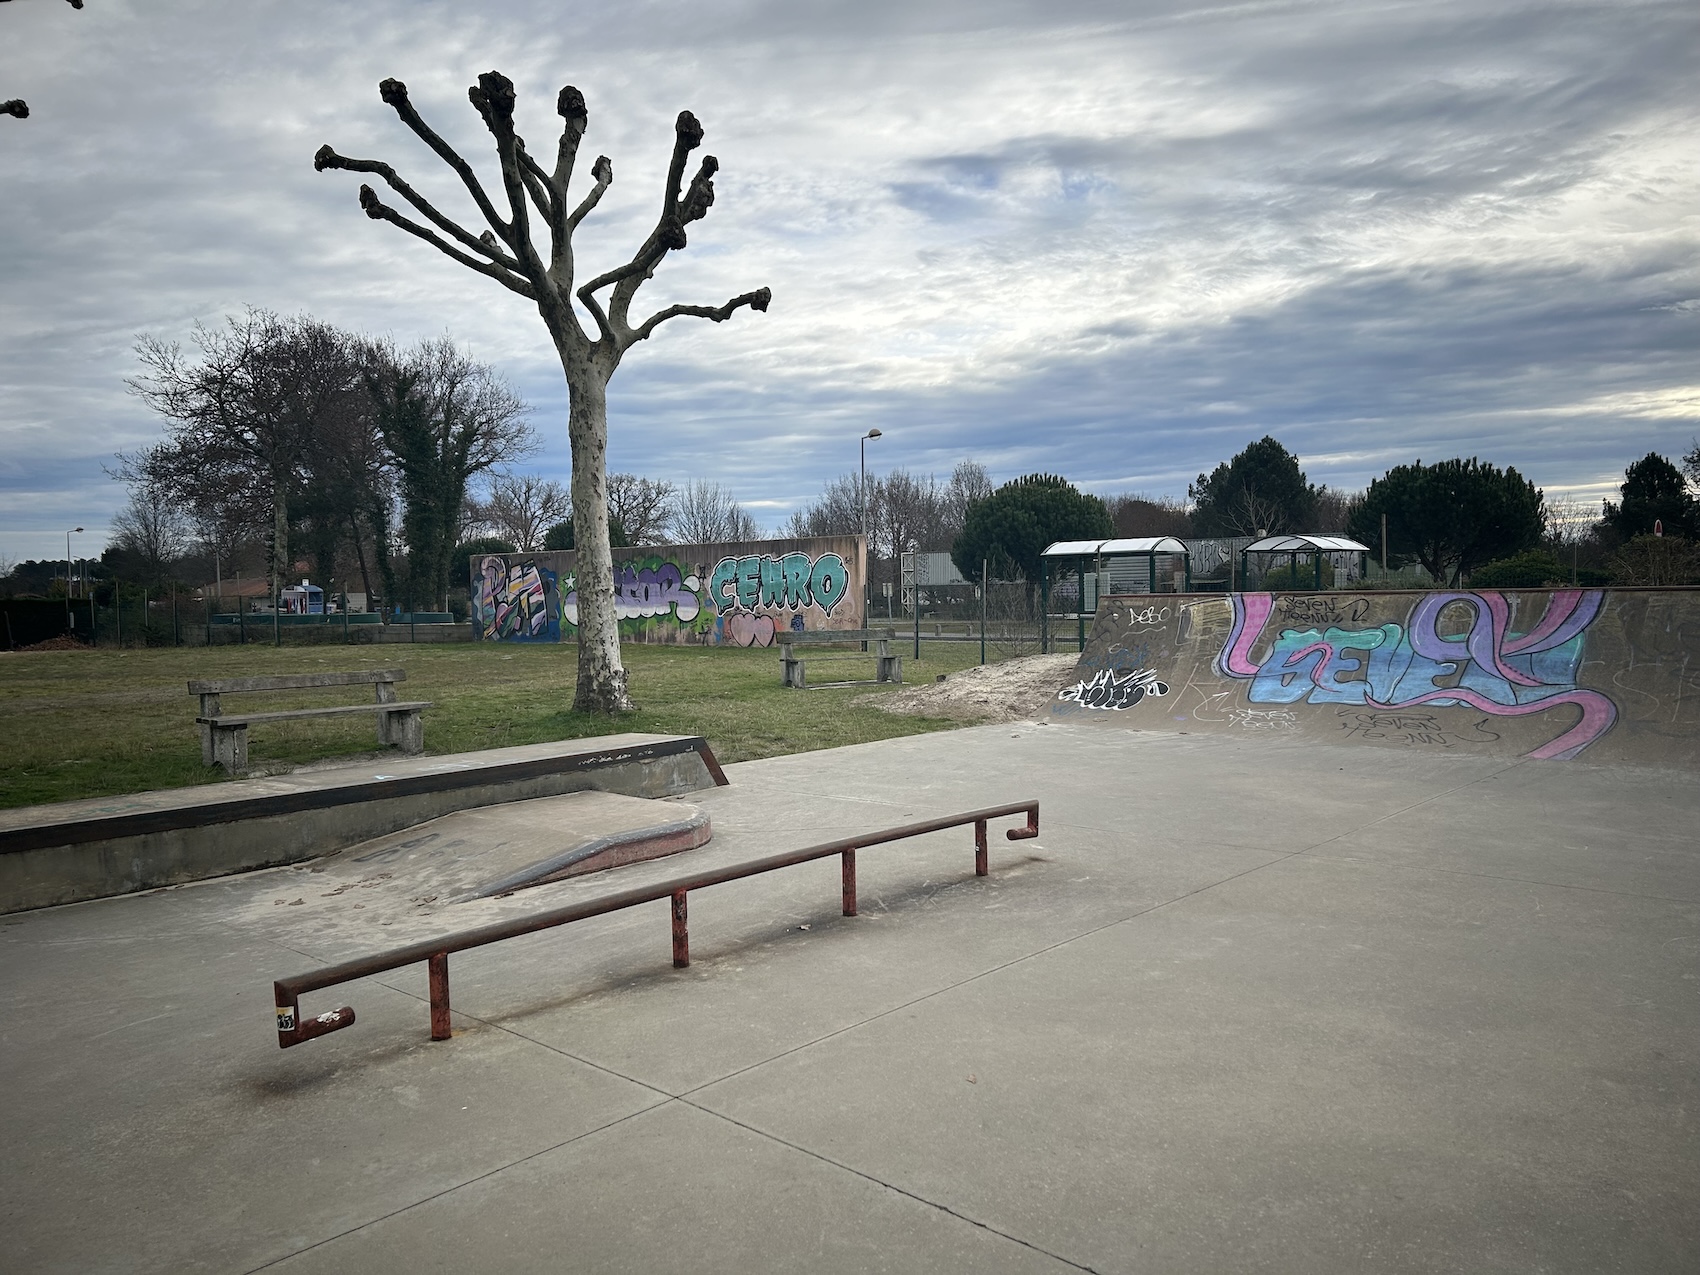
x=887, y=667
x=224, y=736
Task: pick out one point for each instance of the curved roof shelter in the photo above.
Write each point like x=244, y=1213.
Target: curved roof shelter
x=1305, y=544
x=1114, y=548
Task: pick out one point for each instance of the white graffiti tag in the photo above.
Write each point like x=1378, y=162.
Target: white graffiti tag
x=1106, y=690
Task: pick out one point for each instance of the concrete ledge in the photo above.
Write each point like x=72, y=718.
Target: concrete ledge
x=72, y=851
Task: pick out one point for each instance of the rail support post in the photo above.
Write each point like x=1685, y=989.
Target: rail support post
x=849, y=858
x=980, y=865
x=681, y=936
x=438, y=966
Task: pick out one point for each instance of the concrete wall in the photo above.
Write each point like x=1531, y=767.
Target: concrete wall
x=723, y=594
x=90, y=850
x=1609, y=676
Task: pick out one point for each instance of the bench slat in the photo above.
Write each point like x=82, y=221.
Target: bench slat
x=809, y=637
x=243, y=719
x=294, y=681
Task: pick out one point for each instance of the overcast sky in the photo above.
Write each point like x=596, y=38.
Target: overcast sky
x=1117, y=241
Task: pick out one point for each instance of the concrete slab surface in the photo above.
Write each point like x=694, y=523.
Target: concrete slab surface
x=1243, y=1005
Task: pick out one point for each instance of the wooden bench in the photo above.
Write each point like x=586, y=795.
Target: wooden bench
x=887, y=667
x=224, y=737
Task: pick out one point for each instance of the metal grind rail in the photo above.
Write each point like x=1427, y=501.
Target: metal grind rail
x=292, y=1029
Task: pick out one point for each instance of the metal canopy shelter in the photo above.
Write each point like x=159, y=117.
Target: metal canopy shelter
x=1294, y=545
x=1071, y=558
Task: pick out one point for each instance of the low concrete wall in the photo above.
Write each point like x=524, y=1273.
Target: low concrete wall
x=73, y=851
x=1604, y=675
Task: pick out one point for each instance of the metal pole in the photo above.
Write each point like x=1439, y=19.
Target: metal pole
x=1044, y=606
x=1080, y=602
x=1384, y=546
x=917, y=607
x=984, y=583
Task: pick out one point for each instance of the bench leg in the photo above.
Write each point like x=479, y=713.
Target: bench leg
x=230, y=748
x=890, y=669
x=790, y=672
x=407, y=731
x=207, y=758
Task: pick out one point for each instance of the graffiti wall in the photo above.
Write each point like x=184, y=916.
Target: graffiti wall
x=515, y=599
x=739, y=594
x=1604, y=675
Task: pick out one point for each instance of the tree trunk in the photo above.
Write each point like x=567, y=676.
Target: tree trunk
x=280, y=535
x=601, y=677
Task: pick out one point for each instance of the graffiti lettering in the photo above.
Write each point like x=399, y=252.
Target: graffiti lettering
x=1148, y=615
x=1263, y=719
x=1106, y=690
x=512, y=602
x=646, y=588
x=1411, y=728
x=788, y=583
x=1314, y=610
x=1394, y=668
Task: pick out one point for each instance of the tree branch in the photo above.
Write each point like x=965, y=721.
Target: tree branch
x=394, y=92
x=378, y=211
x=669, y=232
x=603, y=171
x=757, y=300
x=575, y=118
x=15, y=106
x=328, y=158
x=539, y=184
x=493, y=96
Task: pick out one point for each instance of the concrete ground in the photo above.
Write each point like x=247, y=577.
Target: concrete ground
x=1241, y=1006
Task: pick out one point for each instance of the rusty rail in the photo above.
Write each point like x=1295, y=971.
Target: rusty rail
x=292, y=1029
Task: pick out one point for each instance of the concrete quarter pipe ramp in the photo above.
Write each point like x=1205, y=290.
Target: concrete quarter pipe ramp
x=1607, y=675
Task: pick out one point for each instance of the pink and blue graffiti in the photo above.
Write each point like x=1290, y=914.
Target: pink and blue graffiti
x=1486, y=667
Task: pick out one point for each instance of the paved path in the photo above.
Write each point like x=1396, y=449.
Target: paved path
x=1242, y=1006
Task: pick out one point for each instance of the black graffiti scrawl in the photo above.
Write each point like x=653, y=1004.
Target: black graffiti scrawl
x=1109, y=690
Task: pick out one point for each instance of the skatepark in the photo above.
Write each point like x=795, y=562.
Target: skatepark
x=1309, y=967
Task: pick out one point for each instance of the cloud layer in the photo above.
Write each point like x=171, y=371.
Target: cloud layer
x=1115, y=241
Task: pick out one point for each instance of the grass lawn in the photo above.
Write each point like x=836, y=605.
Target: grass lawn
x=94, y=723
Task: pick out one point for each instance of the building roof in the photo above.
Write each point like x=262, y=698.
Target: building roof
x=1305, y=543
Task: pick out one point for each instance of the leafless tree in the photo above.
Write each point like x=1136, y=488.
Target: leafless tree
x=707, y=513
x=152, y=529
x=506, y=253
x=521, y=508
x=969, y=481
x=246, y=413
x=1334, y=507
x=1139, y=515
x=642, y=506
x=838, y=512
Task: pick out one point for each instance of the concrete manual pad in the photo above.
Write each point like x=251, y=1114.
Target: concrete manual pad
x=1238, y=1007
x=477, y=854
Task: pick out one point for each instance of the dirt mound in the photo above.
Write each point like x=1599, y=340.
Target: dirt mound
x=60, y=643
x=1013, y=690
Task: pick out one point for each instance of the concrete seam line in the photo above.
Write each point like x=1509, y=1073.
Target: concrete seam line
x=449, y=1190
x=986, y=973
x=879, y=1181
x=1496, y=876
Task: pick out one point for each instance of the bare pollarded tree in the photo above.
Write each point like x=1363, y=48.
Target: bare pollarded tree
x=505, y=252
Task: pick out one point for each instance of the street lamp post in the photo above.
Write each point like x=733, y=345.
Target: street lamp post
x=862, y=499
x=70, y=621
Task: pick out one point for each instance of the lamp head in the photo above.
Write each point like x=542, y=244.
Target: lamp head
x=872, y=433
